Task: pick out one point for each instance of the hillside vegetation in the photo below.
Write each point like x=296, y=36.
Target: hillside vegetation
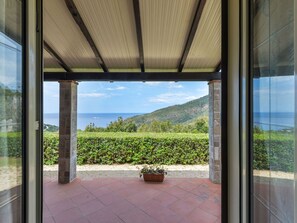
x=177, y=114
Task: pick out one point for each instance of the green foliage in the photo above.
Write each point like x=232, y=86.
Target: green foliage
x=156, y=126
x=11, y=144
x=134, y=148
x=121, y=126
x=201, y=125
x=166, y=126
x=50, y=128
x=11, y=107
x=50, y=148
x=92, y=128
x=152, y=169
x=274, y=151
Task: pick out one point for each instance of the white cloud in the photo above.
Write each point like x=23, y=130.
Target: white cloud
x=153, y=83
x=173, y=98
x=175, y=85
x=119, y=88
x=92, y=95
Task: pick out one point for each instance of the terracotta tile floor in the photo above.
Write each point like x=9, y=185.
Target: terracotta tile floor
x=130, y=200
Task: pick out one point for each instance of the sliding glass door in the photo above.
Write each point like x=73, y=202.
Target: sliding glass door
x=274, y=113
x=11, y=111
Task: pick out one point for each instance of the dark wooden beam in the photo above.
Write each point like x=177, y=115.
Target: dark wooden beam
x=135, y=76
x=76, y=16
x=139, y=33
x=56, y=56
x=192, y=33
x=219, y=67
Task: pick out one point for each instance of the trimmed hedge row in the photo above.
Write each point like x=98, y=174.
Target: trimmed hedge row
x=274, y=152
x=11, y=144
x=134, y=148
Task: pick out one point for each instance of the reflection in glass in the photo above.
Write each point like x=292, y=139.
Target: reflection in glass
x=10, y=112
x=274, y=111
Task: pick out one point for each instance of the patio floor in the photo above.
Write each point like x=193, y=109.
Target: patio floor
x=131, y=200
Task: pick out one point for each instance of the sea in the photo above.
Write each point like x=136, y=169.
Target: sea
x=84, y=119
x=265, y=120
x=274, y=120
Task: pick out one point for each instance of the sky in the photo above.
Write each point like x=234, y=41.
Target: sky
x=126, y=97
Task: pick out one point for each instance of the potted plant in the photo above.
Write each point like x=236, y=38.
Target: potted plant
x=153, y=173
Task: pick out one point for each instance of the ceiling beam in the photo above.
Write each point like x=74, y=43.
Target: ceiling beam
x=219, y=67
x=56, y=57
x=139, y=33
x=76, y=16
x=191, y=35
x=132, y=76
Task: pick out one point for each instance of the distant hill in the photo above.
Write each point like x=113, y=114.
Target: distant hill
x=50, y=128
x=177, y=114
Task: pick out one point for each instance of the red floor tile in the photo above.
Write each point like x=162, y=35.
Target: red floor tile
x=82, y=198
x=90, y=207
x=131, y=200
x=201, y=216
x=182, y=207
x=68, y=216
x=104, y=216
x=136, y=215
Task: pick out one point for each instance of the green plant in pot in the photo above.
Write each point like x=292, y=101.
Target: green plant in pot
x=153, y=173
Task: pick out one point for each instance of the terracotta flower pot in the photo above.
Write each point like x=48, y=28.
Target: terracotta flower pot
x=150, y=177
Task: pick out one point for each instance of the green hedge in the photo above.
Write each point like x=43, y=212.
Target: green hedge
x=135, y=148
x=12, y=141
x=274, y=151
x=271, y=151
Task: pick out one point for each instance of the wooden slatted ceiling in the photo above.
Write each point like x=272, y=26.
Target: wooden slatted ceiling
x=111, y=23
x=205, y=52
x=165, y=27
x=112, y=26
x=64, y=36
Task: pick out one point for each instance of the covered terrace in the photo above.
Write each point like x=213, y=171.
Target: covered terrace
x=131, y=40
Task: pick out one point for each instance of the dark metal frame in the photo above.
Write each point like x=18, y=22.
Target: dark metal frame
x=79, y=21
x=129, y=76
x=24, y=112
x=139, y=33
x=39, y=112
x=53, y=53
x=224, y=113
x=192, y=33
x=250, y=139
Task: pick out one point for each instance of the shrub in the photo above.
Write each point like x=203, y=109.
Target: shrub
x=202, y=125
x=134, y=148
x=121, y=125
x=274, y=151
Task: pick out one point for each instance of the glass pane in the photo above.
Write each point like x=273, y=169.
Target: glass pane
x=11, y=111
x=274, y=111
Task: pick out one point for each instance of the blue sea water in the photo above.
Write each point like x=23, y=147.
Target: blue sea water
x=274, y=120
x=83, y=119
x=265, y=120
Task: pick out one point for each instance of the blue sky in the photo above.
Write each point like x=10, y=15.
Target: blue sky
x=126, y=97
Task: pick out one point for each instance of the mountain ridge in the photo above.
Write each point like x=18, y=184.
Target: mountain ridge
x=177, y=114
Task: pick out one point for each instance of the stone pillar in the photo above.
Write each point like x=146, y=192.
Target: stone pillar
x=67, y=131
x=215, y=131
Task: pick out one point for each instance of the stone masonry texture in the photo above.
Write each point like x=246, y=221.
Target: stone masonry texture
x=67, y=131
x=215, y=131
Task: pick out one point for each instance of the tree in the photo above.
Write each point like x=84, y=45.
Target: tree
x=121, y=126
x=202, y=125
